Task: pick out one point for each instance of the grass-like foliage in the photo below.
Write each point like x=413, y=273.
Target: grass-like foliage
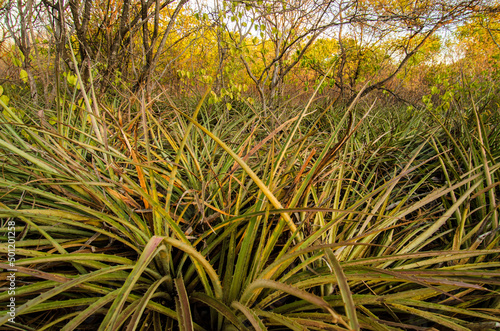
x=143, y=215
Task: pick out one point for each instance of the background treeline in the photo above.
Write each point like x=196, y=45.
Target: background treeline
x=267, y=50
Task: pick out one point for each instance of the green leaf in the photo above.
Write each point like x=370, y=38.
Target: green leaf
x=149, y=252
x=345, y=291
x=145, y=300
x=185, y=319
x=72, y=79
x=24, y=75
x=16, y=62
x=300, y=293
x=202, y=265
x=5, y=99
x=250, y=315
x=62, y=288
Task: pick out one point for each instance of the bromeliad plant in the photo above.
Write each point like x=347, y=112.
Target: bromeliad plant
x=210, y=220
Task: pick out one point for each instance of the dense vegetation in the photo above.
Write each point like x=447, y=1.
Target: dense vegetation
x=264, y=165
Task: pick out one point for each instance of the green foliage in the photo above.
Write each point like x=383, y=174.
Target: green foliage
x=204, y=218
x=72, y=79
x=17, y=57
x=23, y=75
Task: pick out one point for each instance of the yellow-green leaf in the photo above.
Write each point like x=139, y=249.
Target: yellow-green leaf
x=5, y=99
x=16, y=62
x=24, y=75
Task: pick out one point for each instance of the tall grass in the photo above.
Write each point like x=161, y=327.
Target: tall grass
x=136, y=215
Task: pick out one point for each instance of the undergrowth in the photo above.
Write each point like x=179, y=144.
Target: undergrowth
x=132, y=214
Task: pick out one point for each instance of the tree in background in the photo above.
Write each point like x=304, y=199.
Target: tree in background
x=19, y=22
x=375, y=39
